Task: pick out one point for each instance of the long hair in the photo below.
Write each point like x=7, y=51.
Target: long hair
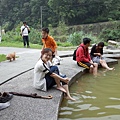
x=101, y=44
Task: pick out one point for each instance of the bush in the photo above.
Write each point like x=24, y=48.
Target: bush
x=77, y=37
x=14, y=36
x=110, y=34
x=11, y=36
x=61, y=38
x=65, y=44
x=113, y=32
x=35, y=36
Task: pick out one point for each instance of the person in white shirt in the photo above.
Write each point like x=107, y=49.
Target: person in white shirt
x=24, y=32
x=45, y=78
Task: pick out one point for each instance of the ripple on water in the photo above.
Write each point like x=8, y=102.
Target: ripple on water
x=97, y=98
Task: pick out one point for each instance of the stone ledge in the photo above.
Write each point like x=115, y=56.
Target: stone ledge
x=36, y=109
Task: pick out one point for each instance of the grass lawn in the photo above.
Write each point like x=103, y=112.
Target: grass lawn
x=19, y=45
x=33, y=46
x=2, y=57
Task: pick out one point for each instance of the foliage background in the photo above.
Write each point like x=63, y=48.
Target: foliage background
x=70, y=12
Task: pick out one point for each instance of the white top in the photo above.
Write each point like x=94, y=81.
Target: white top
x=40, y=70
x=24, y=30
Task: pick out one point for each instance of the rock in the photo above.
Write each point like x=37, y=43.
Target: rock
x=111, y=47
x=112, y=42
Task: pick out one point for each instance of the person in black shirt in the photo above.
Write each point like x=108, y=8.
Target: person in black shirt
x=96, y=55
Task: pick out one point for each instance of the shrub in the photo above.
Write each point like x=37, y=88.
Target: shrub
x=64, y=44
x=110, y=34
x=113, y=32
x=14, y=36
x=35, y=36
x=77, y=37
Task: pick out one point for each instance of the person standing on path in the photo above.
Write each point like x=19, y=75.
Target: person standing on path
x=24, y=32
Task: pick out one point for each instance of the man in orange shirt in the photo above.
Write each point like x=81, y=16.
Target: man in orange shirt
x=48, y=41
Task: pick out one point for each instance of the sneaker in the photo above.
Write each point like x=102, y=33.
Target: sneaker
x=4, y=105
x=63, y=76
x=5, y=97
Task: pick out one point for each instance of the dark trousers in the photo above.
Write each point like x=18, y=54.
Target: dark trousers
x=50, y=82
x=26, y=41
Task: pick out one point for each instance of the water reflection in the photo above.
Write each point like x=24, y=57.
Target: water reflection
x=97, y=98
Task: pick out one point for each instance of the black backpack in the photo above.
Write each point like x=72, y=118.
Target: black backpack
x=74, y=53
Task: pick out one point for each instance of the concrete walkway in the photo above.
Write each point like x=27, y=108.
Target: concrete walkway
x=17, y=76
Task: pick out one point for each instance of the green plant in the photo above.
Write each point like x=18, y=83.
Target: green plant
x=2, y=57
x=14, y=35
x=64, y=44
x=113, y=32
x=62, y=28
x=110, y=34
x=35, y=36
x=77, y=37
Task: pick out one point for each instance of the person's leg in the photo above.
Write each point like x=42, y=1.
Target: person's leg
x=24, y=41
x=27, y=40
x=54, y=69
x=104, y=64
x=50, y=81
x=95, y=68
x=84, y=64
x=92, y=68
x=67, y=92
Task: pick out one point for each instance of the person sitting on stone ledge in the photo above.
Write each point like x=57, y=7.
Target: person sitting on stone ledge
x=83, y=57
x=46, y=77
x=96, y=55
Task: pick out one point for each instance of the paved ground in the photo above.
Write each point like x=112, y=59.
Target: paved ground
x=25, y=61
x=23, y=108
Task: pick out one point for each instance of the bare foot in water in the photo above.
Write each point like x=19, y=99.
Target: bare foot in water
x=61, y=89
x=68, y=97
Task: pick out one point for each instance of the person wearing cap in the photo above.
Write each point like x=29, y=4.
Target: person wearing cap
x=24, y=32
x=83, y=57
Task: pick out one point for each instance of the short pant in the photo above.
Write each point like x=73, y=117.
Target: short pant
x=97, y=59
x=84, y=64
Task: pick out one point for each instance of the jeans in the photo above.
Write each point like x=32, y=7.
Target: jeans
x=26, y=40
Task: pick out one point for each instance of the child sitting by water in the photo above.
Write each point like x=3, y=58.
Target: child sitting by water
x=45, y=77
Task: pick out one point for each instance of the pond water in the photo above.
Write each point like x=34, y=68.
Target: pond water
x=97, y=98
